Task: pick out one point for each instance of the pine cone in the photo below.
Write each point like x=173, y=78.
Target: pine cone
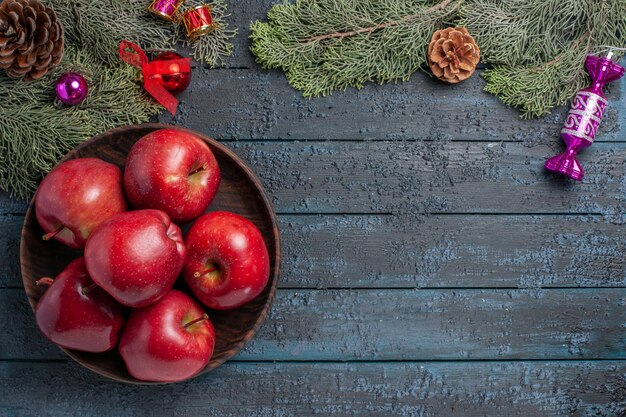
x=31, y=39
x=453, y=54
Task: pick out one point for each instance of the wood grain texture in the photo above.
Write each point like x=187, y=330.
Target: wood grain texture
x=406, y=325
x=546, y=389
x=412, y=178
x=429, y=251
x=266, y=107
x=452, y=251
x=392, y=157
x=409, y=178
x=10, y=228
x=239, y=192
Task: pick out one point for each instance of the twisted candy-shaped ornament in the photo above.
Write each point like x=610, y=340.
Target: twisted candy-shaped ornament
x=585, y=115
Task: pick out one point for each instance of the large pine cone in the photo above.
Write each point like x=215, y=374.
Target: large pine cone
x=31, y=39
x=453, y=54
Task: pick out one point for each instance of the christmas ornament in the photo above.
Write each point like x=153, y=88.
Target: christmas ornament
x=31, y=39
x=34, y=134
x=174, y=78
x=585, y=115
x=198, y=21
x=154, y=71
x=165, y=9
x=453, y=54
x=71, y=88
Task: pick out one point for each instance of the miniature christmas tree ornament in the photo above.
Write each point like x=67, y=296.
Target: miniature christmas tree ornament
x=585, y=115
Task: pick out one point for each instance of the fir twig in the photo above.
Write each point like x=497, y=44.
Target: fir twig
x=384, y=25
x=213, y=48
x=35, y=134
x=327, y=45
x=536, y=89
x=536, y=47
x=379, y=26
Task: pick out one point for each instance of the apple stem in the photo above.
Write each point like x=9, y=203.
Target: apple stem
x=88, y=288
x=198, y=274
x=53, y=233
x=44, y=281
x=205, y=316
x=199, y=169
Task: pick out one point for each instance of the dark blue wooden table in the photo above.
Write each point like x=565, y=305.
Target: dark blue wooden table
x=431, y=267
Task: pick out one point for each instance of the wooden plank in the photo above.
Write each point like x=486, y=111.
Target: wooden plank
x=10, y=205
x=412, y=178
x=257, y=104
x=404, y=325
x=546, y=389
x=451, y=251
x=241, y=15
x=429, y=251
x=10, y=228
x=261, y=104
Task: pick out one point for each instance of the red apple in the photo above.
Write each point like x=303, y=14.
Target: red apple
x=168, y=341
x=173, y=171
x=227, y=262
x=136, y=256
x=76, y=197
x=76, y=314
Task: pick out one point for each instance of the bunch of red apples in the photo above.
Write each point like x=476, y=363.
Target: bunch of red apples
x=119, y=294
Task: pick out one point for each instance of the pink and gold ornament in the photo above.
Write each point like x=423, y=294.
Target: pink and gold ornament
x=585, y=115
x=165, y=9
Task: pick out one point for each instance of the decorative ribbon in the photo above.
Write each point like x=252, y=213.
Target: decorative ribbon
x=151, y=71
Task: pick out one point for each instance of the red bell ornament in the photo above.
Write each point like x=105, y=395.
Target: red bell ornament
x=174, y=77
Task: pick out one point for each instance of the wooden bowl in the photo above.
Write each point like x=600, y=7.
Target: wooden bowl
x=240, y=192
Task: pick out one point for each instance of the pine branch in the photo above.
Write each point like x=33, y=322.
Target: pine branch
x=539, y=47
x=537, y=89
x=327, y=45
x=99, y=26
x=534, y=45
x=384, y=25
x=35, y=134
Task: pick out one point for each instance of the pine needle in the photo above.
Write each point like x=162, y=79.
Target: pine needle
x=216, y=46
x=536, y=48
x=327, y=45
x=35, y=134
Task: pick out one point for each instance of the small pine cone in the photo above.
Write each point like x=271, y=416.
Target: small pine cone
x=453, y=54
x=31, y=39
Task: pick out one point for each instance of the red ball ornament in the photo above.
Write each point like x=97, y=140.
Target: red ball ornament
x=174, y=79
